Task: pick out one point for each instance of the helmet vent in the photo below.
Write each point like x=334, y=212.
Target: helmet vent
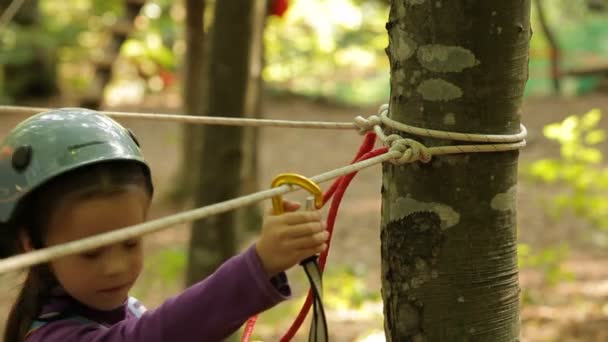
x=79, y=146
x=21, y=157
x=132, y=135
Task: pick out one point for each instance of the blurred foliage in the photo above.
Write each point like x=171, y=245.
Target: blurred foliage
x=335, y=49
x=579, y=168
x=548, y=260
x=164, y=269
x=581, y=29
x=583, y=180
x=169, y=264
x=319, y=48
x=77, y=31
x=331, y=49
x=26, y=55
x=345, y=289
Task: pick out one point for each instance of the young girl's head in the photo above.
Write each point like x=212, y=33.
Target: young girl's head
x=66, y=175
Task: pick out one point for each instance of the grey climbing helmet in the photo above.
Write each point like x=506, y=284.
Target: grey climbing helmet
x=54, y=142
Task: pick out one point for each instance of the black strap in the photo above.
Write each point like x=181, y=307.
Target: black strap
x=318, y=325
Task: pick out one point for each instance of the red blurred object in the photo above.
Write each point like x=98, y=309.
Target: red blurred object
x=279, y=7
x=168, y=77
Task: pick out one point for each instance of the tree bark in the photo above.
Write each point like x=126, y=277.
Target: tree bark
x=195, y=94
x=214, y=239
x=250, y=217
x=449, y=251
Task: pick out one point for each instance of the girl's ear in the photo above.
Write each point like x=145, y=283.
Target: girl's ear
x=26, y=242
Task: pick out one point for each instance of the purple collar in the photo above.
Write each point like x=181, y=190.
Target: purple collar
x=61, y=302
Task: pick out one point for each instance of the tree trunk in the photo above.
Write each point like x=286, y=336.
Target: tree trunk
x=214, y=239
x=449, y=251
x=554, y=50
x=250, y=217
x=195, y=94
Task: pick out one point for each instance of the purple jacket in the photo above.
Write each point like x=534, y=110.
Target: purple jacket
x=210, y=310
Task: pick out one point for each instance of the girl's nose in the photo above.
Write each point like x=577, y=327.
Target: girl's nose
x=116, y=261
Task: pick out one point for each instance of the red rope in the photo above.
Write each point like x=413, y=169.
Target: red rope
x=249, y=328
x=366, y=146
x=336, y=190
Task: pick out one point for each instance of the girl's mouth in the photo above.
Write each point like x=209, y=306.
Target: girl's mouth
x=114, y=289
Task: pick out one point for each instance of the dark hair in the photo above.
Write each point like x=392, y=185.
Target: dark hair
x=35, y=211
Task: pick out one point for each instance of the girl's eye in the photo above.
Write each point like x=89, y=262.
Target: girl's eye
x=91, y=255
x=131, y=243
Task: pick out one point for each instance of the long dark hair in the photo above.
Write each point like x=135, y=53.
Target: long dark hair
x=32, y=216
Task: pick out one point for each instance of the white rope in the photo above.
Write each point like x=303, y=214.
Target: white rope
x=50, y=253
x=401, y=150
x=206, y=120
x=367, y=124
x=9, y=13
x=409, y=150
x=361, y=124
x=412, y=150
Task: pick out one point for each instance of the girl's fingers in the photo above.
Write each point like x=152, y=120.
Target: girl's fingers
x=308, y=242
x=321, y=249
x=297, y=217
x=304, y=229
x=303, y=254
x=290, y=206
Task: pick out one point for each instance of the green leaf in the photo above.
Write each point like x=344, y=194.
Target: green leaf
x=553, y=131
x=546, y=169
x=588, y=155
x=591, y=119
x=595, y=137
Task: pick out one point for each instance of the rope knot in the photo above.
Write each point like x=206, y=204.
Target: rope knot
x=410, y=150
x=365, y=125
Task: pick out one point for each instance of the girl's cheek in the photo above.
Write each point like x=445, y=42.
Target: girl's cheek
x=137, y=262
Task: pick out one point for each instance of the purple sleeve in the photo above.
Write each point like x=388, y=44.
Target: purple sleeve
x=210, y=310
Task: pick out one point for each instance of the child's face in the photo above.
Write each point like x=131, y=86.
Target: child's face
x=101, y=278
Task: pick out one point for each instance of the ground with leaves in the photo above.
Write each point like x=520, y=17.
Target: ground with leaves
x=564, y=294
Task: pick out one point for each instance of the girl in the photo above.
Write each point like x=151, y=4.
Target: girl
x=71, y=173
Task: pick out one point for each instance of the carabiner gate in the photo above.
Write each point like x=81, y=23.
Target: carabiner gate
x=299, y=180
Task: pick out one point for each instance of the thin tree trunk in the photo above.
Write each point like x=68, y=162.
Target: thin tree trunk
x=250, y=217
x=554, y=50
x=195, y=95
x=449, y=251
x=214, y=239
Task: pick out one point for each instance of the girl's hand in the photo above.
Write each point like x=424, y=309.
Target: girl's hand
x=289, y=238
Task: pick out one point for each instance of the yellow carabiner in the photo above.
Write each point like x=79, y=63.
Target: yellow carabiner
x=301, y=181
